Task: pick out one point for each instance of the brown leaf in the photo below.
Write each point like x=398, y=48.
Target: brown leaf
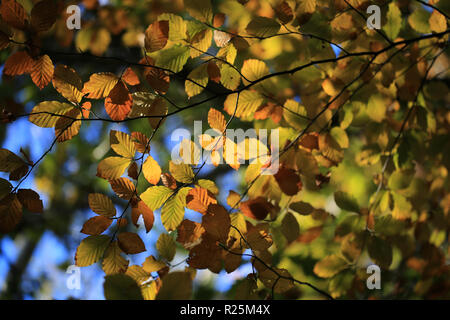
x=288, y=181
x=140, y=141
x=217, y=222
x=257, y=208
x=66, y=128
x=130, y=243
x=189, y=233
x=123, y=187
x=96, y=225
x=168, y=181
x=14, y=14
x=140, y=208
x=43, y=15
x=10, y=213
x=30, y=200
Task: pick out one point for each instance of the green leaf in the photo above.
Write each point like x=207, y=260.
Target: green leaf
x=346, y=201
x=394, y=21
x=200, y=76
x=91, y=250
x=199, y=9
x=166, y=246
x=229, y=77
x=376, y=108
x=419, y=20
x=173, y=58
x=290, y=227
x=380, y=251
x=340, y=136
x=400, y=179
x=181, y=172
x=263, y=27
x=121, y=287
x=154, y=197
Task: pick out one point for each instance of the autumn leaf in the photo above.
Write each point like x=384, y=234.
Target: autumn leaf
x=156, y=36
x=166, y=246
x=100, y=85
x=91, y=250
x=102, y=205
x=18, y=63
x=112, y=167
x=130, y=243
x=118, y=103
x=14, y=14
x=96, y=225
x=151, y=170
x=67, y=82
x=43, y=15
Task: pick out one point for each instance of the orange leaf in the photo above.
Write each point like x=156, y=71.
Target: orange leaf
x=198, y=199
x=140, y=141
x=42, y=71
x=216, y=120
x=130, y=77
x=18, y=63
x=100, y=85
x=151, y=170
x=156, y=35
x=118, y=103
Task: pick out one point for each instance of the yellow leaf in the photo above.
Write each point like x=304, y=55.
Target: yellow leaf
x=113, y=262
x=200, y=76
x=91, y=250
x=100, y=85
x=47, y=113
x=253, y=69
x=249, y=102
x=438, y=23
x=330, y=266
x=101, y=204
x=112, y=167
x=216, y=120
x=67, y=82
x=181, y=172
x=199, y=9
x=172, y=212
x=154, y=197
x=151, y=170
x=122, y=144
